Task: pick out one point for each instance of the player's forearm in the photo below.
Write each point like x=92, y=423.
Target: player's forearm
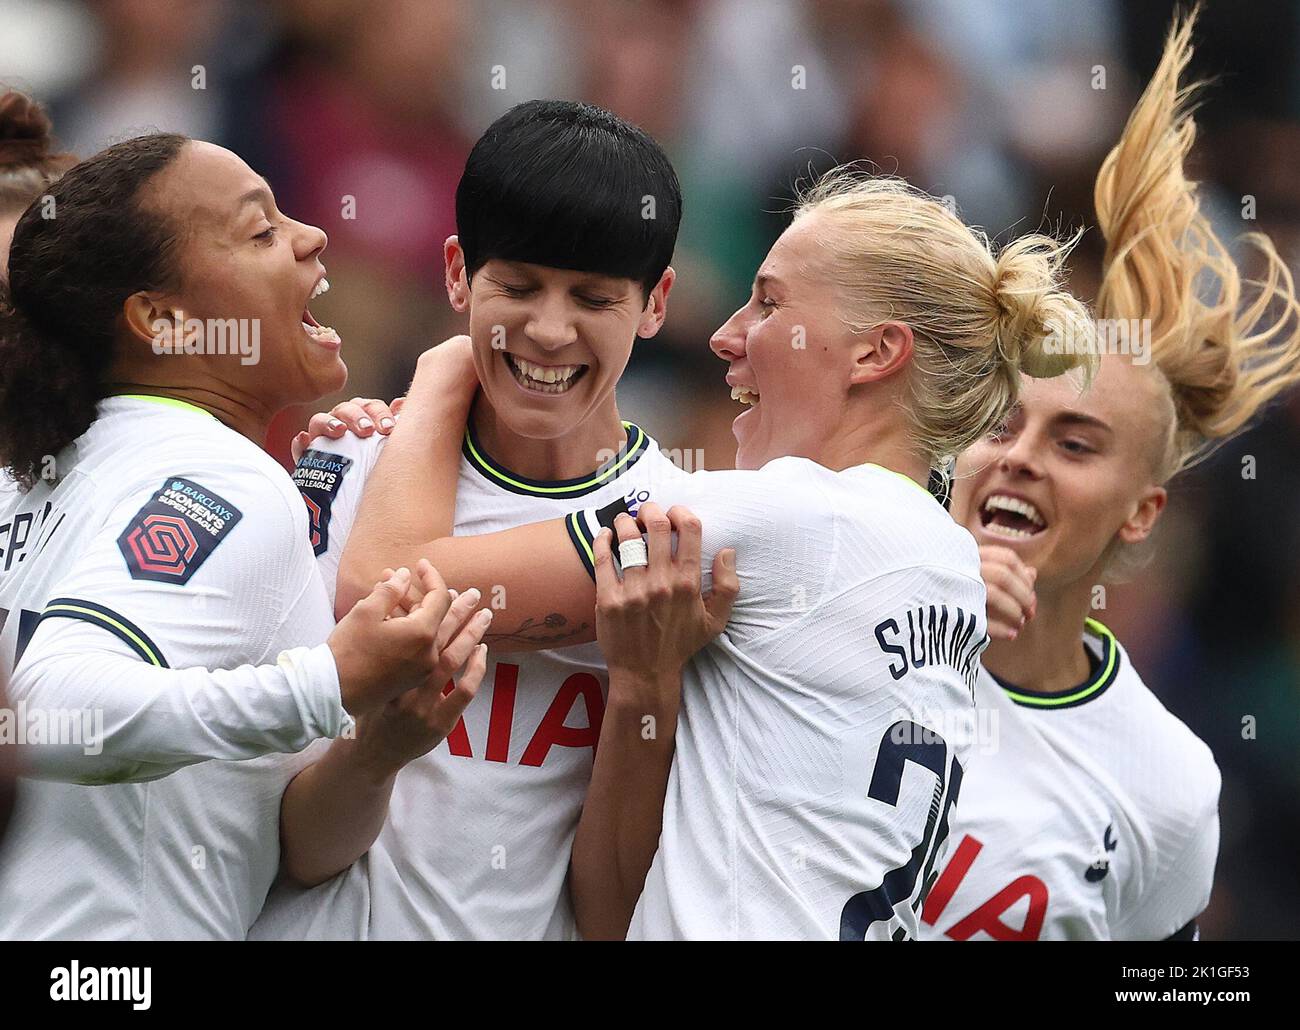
x=532, y=578
x=622, y=817
x=531, y=575
x=332, y=812
x=121, y=720
x=410, y=498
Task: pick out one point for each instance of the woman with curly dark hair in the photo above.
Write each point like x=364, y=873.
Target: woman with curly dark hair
x=154, y=320
x=27, y=167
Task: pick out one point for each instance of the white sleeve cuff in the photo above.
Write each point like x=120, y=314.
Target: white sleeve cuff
x=314, y=679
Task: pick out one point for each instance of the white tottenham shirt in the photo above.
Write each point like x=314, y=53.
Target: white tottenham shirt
x=477, y=840
x=169, y=545
x=1092, y=816
x=822, y=736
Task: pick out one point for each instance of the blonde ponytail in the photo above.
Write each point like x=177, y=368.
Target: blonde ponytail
x=978, y=320
x=1223, y=359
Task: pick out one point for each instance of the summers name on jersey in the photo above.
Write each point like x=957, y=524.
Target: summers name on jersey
x=1094, y=816
x=479, y=830
x=822, y=736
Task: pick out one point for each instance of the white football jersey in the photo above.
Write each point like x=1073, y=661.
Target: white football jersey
x=822, y=736
x=1092, y=816
x=170, y=545
x=478, y=835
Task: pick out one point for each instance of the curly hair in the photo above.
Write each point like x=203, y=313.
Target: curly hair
x=27, y=165
x=75, y=259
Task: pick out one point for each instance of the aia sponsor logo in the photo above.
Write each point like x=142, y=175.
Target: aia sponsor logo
x=988, y=916
x=552, y=731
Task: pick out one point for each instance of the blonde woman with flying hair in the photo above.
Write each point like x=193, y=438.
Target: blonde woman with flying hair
x=804, y=791
x=1096, y=816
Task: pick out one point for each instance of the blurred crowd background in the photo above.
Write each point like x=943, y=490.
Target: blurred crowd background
x=1007, y=106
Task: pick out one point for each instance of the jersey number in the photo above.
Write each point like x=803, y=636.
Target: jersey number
x=905, y=742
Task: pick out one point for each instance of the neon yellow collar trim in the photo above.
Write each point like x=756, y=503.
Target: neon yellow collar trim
x=636, y=445
x=170, y=402
x=1094, y=686
x=906, y=479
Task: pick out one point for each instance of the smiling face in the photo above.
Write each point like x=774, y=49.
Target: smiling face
x=550, y=344
x=1072, y=473
x=241, y=258
x=789, y=353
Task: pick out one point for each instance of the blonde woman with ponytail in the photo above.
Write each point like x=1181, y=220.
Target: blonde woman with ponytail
x=766, y=769
x=1096, y=814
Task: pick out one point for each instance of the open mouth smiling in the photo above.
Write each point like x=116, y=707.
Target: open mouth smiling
x=551, y=379
x=1011, y=517
x=318, y=332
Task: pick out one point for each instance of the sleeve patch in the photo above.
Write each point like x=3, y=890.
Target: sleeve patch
x=318, y=477
x=171, y=537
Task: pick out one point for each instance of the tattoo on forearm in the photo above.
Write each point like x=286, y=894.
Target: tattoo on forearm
x=552, y=630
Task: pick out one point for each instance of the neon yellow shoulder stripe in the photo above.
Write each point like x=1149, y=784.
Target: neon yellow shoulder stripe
x=86, y=611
